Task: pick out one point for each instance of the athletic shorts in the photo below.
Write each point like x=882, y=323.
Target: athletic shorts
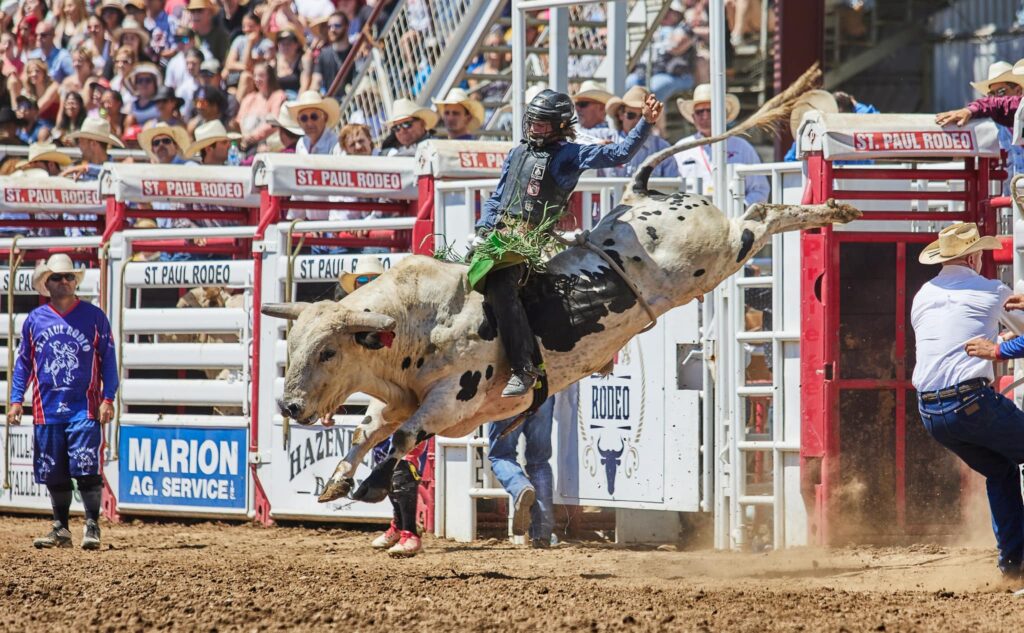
x=63, y=451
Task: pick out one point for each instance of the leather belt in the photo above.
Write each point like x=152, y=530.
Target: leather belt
x=959, y=389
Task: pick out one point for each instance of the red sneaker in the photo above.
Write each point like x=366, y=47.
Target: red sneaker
x=387, y=539
x=408, y=546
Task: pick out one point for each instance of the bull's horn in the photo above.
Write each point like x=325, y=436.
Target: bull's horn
x=284, y=310
x=369, y=322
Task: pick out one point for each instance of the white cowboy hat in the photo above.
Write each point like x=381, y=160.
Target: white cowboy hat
x=365, y=266
x=146, y=68
x=407, y=109
x=313, y=99
x=131, y=25
x=177, y=133
x=593, y=91
x=458, y=96
x=1000, y=72
x=702, y=94
x=207, y=134
x=820, y=100
x=42, y=153
x=634, y=98
x=96, y=129
x=957, y=240
x=58, y=263
x=284, y=120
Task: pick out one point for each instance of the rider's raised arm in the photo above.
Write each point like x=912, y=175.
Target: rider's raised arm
x=597, y=156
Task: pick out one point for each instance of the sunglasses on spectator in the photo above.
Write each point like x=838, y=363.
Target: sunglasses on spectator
x=631, y=116
x=335, y=25
x=144, y=79
x=701, y=111
x=583, y=103
x=405, y=125
x=56, y=278
x=162, y=140
x=312, y=116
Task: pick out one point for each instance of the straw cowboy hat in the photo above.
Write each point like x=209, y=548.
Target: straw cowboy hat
x=634, y=98
x=702, y=94
x=1000, y=72
x=176, y=132
x=131, y=25
x=145, y=68
x=594, y=91
x=58, y=263
x=313, y=99
x=407, y=109
x=207, y=134
x=110, y=4
x=285, y=120
x=44, y=153
x=96, y=129
x=198, y=5
x=366, y=266
x=820, y=100
x=957, y=240
x=287, y=32
x=458, y=96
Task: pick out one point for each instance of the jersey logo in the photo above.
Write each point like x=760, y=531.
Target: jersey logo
x=62, y=407
x=63, y=362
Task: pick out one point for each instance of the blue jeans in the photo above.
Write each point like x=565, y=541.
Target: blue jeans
x=502, y=453
x=986, y=430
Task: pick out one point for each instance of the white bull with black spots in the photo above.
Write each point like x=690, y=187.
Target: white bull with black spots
x=423, y=343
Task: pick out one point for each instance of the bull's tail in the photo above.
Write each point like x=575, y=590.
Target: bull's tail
x=775, y=111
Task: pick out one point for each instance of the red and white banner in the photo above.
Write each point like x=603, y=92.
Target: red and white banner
x=48, y=195
x=462, y=159
x=329, y=175
x=183, y=184
x=865, y=136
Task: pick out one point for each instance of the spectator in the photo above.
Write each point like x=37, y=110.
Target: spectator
x=81, y=63
x=292, y=74
x=356, y=14
x=136, y=38
x=12, y=63
x=111, y=13
x=71, y=27
x=288, y=130
x=113, y=111
x=744, y=20
x=233, y=14
x=37, y=85
x=355, y=140
x=625, y=113
x=824, y=101
x=192, y=81
x=213, y=142
x=168, y=107
x=158, y=24
x=256, y=106
x=492, y=91
x=242, y=52
x=95, y=140
x=70, y=118
x=9, y=123
x=32, y=127
x=317, y=115
x=211, y=77
x=208, y=30
x=411, y=124
x=164, y=144
x=94, y=88
x=27, y=35
x=332, y=57
x=176, y=71
x=124, y=64
x=44, y=156
x=135, y=10
x=144, y=83
x=58, y=62
x=674, y=49
x=696, y=161
x=97, y=38
x=462, y=114
x=211, y=104
x=591, y=101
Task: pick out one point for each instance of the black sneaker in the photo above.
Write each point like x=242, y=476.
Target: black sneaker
x=91, y=538
x=59, y=536
x=521, y=511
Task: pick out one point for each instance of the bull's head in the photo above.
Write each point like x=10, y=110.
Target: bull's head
x=611, y=461
x=323, y=371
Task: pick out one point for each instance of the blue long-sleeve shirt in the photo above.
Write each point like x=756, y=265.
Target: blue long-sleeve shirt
x=69, y=359
x=569, y=161
x=1014, y=348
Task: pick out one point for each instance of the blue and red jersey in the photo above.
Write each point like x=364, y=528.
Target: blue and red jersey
x=69, y=360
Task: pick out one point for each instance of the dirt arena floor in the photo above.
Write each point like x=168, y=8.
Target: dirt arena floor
x=220, y=577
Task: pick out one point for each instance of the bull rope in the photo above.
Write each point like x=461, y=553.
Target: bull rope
x=289, y=281
x=13, y=261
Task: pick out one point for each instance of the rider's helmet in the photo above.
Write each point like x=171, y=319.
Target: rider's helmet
x=554, y=107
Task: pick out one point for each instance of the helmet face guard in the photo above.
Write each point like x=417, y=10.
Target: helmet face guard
x=551, y=107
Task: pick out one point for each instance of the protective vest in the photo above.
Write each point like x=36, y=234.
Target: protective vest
x=531, y=192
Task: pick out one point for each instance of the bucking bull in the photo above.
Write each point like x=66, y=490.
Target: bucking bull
x=424, y=344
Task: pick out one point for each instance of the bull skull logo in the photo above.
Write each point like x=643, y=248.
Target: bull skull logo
x=611, y=460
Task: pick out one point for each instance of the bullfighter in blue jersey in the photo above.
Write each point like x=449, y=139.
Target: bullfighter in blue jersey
x=67, y=357
x=536, y=181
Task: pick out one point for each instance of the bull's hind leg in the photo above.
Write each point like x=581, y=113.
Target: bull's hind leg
x=776, y=218
x=373, y=429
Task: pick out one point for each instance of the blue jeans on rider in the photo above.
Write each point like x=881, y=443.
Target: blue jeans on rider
x=503, y=456
x=986, y=430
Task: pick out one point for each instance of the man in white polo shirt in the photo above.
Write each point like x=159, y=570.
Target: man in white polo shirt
x=957, y=404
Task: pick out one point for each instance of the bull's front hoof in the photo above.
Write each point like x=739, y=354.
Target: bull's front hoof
x=336, y=489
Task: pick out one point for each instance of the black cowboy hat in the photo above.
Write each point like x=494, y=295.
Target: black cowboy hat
x=166, y=94
x=8, y=115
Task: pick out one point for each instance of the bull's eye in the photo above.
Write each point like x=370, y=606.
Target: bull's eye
x=327, y=355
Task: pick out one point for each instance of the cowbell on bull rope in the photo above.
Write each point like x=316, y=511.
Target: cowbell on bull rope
x=424, y=345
